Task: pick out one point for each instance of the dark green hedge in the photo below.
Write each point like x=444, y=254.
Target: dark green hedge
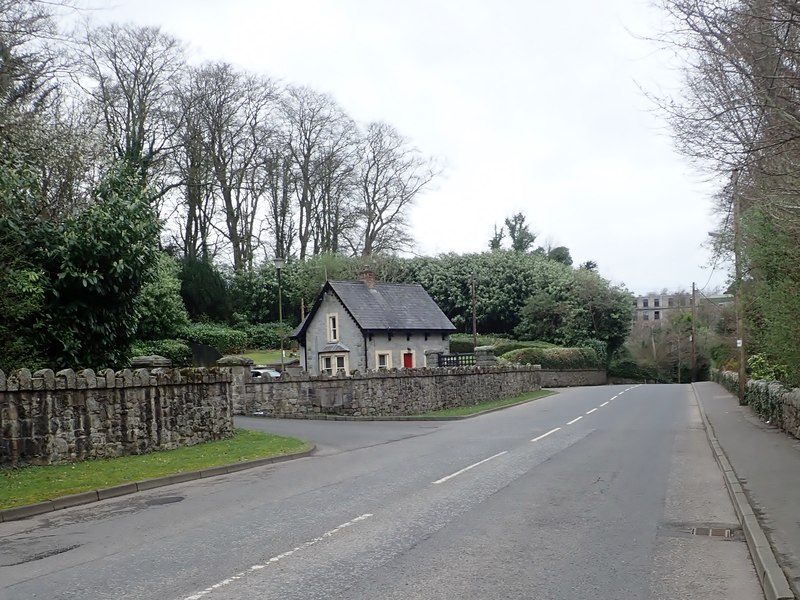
x=554, y=358
x=176, y=350
x=225, y=339
x=266, y=336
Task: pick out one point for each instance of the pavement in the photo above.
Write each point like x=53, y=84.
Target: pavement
x=766, y=461
x=592, y=493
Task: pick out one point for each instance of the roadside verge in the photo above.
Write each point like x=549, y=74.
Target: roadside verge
x=31, y=510
x=773, y=580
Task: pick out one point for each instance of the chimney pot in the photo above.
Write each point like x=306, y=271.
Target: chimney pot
x=367, y=277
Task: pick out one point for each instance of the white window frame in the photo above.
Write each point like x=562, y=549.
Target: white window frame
x=378, y=354
x=332, y=326
x=333, y=356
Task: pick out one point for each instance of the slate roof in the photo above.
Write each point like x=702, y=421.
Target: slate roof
x=386, y=306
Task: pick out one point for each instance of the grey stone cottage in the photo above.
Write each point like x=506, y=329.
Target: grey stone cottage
x=367, y=325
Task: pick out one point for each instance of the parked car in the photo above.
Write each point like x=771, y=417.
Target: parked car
x=263, y=372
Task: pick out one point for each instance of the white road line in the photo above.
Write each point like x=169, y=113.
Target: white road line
x=544, y=435
x=574, y=421
x=591, y=411
x=277, y=558
x=480, y=462
x=604, y=403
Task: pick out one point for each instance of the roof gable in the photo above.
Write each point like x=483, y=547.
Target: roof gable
x=384, y=307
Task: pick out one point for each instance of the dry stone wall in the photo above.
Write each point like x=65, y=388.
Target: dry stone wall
x=771, y=400
x=382, y=393
x=48, y=418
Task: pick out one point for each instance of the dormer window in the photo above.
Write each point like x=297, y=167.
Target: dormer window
x=333, y=328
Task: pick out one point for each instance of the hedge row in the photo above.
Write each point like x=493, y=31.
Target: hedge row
x=225, y=339
x=554, y=358
x=176, y=350
x=462, y=343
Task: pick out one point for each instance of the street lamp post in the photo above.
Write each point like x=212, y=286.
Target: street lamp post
x=279, y=263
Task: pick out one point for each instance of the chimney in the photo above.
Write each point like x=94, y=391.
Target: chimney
x=367, y=277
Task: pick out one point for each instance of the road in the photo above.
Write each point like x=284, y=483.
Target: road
x=590, y=493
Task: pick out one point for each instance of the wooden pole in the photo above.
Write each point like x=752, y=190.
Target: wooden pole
x=474, y=314
x=694, y=332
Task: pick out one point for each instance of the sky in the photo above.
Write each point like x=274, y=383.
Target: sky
x=530, y=109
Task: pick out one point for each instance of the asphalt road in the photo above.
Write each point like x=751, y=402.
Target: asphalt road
x=590, y=493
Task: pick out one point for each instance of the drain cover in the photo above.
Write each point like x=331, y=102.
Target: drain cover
x=164, y=500
x=711, y=532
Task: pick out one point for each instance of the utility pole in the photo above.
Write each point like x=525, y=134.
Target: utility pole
x=474, y=315
x=737, y=254
x=694, y=332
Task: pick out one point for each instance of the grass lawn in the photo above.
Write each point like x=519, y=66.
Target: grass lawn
x=463, y=411
x=31, y=484
x=265, y=357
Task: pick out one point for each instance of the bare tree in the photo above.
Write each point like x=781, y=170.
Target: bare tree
x=235, y=111
x=390, y=176
x=133, y=73
x=318, y=134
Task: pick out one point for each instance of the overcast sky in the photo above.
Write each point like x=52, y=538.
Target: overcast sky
x=531, y=106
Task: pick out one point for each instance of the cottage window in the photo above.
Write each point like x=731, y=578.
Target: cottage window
x=645, y=303
x=657, y=302
x=384, y=360
x=333, y=328
x=333, y=363
x=657, y=315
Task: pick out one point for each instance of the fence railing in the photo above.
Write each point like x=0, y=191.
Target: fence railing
x=466, y=359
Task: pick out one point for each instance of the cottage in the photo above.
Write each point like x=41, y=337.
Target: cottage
x=368, y=325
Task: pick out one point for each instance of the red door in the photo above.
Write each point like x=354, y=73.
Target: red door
x=408, y=360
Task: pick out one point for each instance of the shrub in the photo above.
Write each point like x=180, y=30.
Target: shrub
x=176, y=350
x=225, y=339
x=554, y=358
x=627, y=368
x=507, y=346
x=266, y=336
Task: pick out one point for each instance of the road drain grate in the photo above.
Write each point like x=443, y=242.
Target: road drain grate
x=711, y=532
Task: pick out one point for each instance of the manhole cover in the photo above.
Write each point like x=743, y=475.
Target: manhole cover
x=164, y=500
x=711, y=532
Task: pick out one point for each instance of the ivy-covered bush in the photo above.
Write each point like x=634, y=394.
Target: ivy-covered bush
x=176, y=350
x=554, y=358
x=225, y=339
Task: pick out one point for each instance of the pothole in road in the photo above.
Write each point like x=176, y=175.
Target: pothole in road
x=163, y=500
x=12, y=561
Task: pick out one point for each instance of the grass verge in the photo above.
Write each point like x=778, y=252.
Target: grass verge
x=264, y=357
x=26, y=485
x=464, y=411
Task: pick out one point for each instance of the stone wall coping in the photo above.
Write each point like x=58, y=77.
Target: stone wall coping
x=235, y=361
x=420, y=372
x=68, y=379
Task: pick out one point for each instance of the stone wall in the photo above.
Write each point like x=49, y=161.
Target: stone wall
x=774, y=402
x=48, y=418
x=376, y=393
x=572, y=378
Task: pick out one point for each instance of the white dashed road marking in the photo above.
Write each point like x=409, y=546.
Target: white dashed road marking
x=604, y=403
x=574, y=421
x=591, y=411
x=277, y=558
x=544, y=435
x=480, y=462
